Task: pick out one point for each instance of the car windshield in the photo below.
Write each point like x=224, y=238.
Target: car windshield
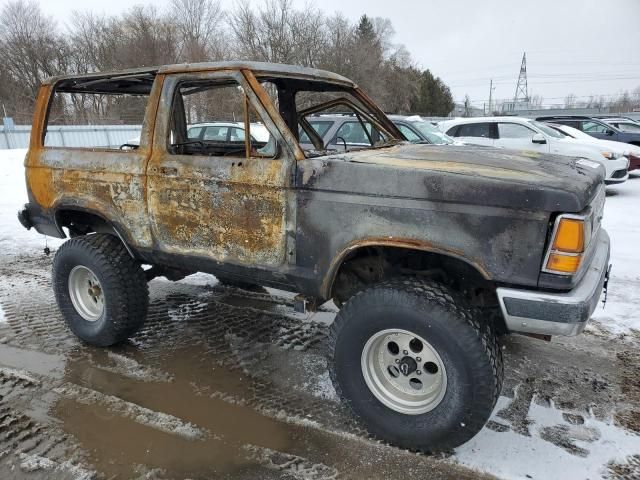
x=546, y=129
x=430, y=132
x=629, y=127
x=575, y=133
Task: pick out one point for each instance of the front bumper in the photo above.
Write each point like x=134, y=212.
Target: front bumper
x=634, y=162
x=567, y=313
x=616, y=170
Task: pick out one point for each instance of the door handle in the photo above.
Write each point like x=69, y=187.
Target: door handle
x=168, y=171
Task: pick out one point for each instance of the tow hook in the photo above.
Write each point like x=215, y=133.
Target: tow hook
x=605, y=286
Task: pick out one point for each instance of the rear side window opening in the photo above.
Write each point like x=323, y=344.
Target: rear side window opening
x=102, y=113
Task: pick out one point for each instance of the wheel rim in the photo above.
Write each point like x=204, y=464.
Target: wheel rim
x=404, y=371
x=86, y=293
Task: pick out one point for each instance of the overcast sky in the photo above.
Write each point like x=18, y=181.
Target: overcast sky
x=584, y=47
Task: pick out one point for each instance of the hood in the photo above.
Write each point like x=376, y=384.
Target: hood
x=458, y=174
x=617, y=147
x=596, y=143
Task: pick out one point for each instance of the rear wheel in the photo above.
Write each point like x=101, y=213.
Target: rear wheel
x=416, y=365
x=101, y=291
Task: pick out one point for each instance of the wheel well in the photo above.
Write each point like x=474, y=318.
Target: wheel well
x=373, y=264
x=80, y=222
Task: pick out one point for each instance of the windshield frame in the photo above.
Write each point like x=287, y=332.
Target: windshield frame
x=289, y=117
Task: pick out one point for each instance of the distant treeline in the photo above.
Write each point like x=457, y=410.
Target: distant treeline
x=35, y=47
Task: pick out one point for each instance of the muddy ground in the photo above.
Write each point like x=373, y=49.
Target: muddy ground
x=225, y=383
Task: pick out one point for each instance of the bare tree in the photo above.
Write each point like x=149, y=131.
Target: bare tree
x=31, y=46
x=276, y=32
x=32, y=50
x=570, y=101
x=201, y=28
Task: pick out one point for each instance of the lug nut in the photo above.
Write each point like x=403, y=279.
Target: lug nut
x=405, y=352
x=397, y=360
x=418, y=359
x=418, y=372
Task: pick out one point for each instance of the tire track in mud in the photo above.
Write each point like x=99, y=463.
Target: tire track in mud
x=29, y=444
x=202, y=344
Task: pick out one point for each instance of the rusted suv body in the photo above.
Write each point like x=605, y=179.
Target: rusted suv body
x=471, y=229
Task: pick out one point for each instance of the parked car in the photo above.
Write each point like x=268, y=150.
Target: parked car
x=623, y=124
x=596, y=128
x=630, y=151
x=416, y=129
x=429, y=251
x=339, y=132
x=226, y=132
x=530, y=135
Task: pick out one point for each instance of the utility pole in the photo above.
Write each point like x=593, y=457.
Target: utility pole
x=490, y=96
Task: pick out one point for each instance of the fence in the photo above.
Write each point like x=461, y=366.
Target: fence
x=71, y=135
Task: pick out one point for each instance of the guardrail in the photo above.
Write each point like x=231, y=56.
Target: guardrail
x=71, y=135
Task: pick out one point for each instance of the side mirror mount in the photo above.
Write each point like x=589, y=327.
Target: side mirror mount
x=610, y=132
x=539, y=139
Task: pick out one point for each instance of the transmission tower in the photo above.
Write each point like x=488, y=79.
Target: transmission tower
x=522, y=94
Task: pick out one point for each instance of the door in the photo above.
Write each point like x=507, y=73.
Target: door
x=215, y=197
x=599, y=130
x=518, y=137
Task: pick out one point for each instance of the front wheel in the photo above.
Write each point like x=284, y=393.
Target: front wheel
x=101, y=291
x=416, y=365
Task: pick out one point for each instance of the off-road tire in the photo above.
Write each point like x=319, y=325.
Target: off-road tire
x=123, y=282
x=466, y=344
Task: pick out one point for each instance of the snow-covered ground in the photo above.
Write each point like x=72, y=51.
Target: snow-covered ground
x=13, y=195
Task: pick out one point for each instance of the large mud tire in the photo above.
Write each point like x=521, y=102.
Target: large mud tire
x=101, y=265
x=466, y=346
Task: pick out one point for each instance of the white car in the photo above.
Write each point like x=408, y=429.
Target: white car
x=220, y=132
x=227, y=132
x=525, y=134
x=632, y=152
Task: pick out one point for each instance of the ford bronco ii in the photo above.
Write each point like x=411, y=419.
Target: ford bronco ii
x=431, y=252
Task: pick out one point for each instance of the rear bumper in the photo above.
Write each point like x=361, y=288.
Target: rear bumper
x=567, y=313
x=25, y=218
x=33, y=216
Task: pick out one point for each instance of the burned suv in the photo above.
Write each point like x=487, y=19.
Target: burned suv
x=430, y=252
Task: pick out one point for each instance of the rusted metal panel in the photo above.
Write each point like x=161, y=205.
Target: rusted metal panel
x=487, y=207
x=257, y=67
x=110, y=183
x=227, y=209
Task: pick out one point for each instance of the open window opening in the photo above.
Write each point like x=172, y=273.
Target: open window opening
x=105, y=112
x=214, y=118
x=328, y=117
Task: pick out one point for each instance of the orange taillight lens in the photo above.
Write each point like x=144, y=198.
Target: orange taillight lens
x=569, y=236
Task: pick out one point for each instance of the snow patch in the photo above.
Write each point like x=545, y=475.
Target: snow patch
x=31, y=463
x=501, y=452
x=3, y=317
x=14, y=238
